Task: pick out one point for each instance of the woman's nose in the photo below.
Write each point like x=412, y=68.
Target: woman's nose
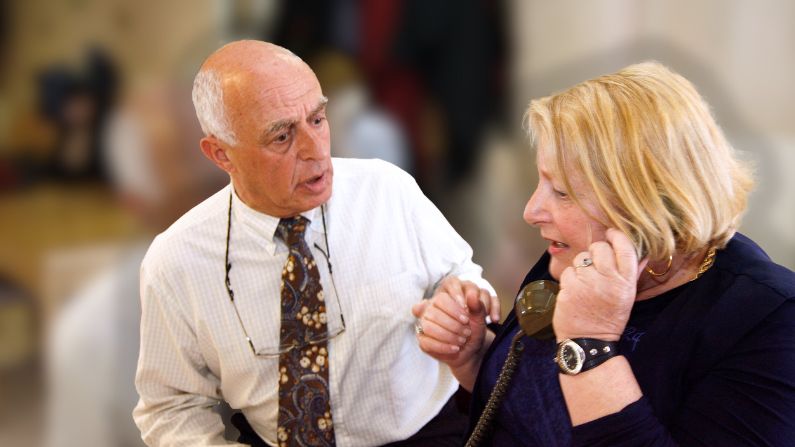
x=534, y=213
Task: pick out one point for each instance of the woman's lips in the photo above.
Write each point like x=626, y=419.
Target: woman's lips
x=556, y=247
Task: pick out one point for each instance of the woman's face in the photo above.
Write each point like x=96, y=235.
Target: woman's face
x=566, y=226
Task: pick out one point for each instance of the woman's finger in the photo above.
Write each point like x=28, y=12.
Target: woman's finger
x=604, y=258
x=625, y=254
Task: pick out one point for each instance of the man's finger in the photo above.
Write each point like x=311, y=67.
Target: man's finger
x=445, y=303
x=452, y=286
x=451, y=323
x=442, y=332
x=418, y=308
x=432, y=346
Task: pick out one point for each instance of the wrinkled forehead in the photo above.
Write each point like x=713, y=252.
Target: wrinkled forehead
x=256, y=99
x=274, y=86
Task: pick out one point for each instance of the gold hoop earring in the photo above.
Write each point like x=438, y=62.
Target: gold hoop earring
x=667, y=269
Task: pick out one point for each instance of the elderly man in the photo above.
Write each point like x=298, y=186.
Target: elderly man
x=288, y=301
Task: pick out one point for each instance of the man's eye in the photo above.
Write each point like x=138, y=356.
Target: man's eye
x=318, y=120
x=282, y=138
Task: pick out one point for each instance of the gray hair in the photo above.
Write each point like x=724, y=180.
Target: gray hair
x=208, y=100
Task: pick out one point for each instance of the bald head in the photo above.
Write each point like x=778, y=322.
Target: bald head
x=233, y=70
x=250, y=55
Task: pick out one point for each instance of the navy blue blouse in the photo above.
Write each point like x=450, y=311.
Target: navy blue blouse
x=715, y=359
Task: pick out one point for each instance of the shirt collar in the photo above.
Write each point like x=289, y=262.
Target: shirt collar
x=263, y=226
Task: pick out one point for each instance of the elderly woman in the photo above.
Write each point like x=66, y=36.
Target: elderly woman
x=685, y=327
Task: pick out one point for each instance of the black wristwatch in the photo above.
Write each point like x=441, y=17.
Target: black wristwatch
x=581, y=354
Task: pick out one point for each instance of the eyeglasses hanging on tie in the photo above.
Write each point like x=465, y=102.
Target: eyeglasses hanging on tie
x=274, y=351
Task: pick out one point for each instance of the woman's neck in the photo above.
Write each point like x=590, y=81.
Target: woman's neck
x=684, y=268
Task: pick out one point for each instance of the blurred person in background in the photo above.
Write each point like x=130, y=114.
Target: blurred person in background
x=158, y=174
x=671, y=328
x=361, y=128
x=239, y=298
x=77, y=105
x=439, y=72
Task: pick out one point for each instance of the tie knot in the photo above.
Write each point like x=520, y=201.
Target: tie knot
x=292, y=229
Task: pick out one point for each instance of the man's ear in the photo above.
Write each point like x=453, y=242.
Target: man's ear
x=212, y=149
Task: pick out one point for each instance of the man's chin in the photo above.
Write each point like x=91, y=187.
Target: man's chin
x=315, y=200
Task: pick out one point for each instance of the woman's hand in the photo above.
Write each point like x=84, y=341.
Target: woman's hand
x=596, y=297
x=453, y=326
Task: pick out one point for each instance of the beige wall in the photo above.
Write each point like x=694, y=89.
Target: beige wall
x=740, y=54
x=147, y=39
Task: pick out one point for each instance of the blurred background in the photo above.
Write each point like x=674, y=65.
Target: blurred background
x=99, y=145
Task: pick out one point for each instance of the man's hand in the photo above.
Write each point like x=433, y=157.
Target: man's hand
x=453, y=325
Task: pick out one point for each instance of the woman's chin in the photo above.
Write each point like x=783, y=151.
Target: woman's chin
x=556, y=269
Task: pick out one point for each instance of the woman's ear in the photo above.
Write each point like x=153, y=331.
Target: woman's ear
x=213, y=149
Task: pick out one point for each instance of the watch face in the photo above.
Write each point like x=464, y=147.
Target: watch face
x=570, y=357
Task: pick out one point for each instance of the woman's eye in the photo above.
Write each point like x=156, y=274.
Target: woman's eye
x=560, y=194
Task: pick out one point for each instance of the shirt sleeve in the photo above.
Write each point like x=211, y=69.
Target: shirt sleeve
x=444, y=251
x=748, y=398
x=80, y=373
x=178, y=393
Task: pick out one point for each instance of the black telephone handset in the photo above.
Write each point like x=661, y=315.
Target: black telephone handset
x=534, y=307
x=535, y=303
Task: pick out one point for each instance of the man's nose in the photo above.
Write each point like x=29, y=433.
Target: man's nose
x=311, y=144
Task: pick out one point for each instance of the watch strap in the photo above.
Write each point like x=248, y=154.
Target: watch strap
x=596, y=352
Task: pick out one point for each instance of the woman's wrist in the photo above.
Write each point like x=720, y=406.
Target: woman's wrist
x=467, y=372
x=604, y=336
x=603, y=390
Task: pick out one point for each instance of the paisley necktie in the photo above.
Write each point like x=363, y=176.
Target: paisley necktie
x=304, y=406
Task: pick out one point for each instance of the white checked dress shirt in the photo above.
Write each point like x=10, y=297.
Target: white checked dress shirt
x=389, y=248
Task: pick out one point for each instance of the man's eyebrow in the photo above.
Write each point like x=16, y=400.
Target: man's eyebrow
x=320, y=106
x=282, y=124
x=279, y=125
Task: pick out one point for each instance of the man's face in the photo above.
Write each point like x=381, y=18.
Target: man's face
x=281, y=164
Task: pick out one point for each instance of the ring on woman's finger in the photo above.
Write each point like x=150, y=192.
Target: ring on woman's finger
x=586, y=262
x=418, y=328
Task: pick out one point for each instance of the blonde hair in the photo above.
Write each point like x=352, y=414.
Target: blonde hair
x=646, y=143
